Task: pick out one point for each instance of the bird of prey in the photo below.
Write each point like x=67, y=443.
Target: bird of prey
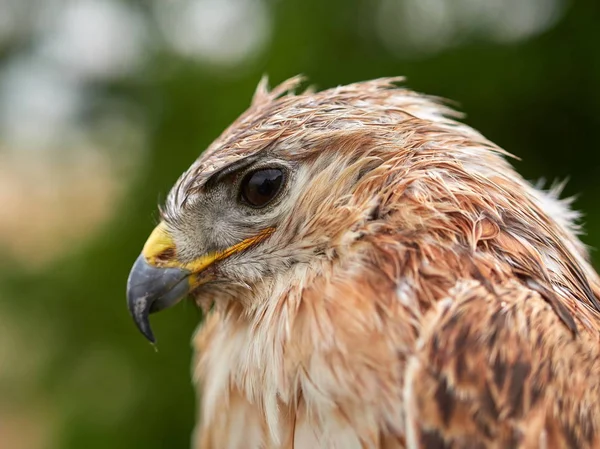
x=375, y=274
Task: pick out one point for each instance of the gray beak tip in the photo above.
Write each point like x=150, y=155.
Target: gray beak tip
x=140, y=311
x=151, y=289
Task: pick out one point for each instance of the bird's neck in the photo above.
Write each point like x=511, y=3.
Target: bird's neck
x=315, y=333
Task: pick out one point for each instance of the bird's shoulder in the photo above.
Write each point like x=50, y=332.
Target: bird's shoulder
x=495, y=369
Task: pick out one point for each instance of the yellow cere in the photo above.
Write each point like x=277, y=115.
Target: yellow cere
x=158, y=244
x=160, y=251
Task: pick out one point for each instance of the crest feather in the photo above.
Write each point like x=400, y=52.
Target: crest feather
x=262, y=94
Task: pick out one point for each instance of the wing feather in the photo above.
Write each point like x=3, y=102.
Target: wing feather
x=502, y=371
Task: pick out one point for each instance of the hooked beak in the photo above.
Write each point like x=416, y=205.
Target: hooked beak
x=150, y=289
x=158, y=280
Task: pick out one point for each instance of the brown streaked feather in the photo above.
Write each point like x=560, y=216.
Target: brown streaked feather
x=509, y=376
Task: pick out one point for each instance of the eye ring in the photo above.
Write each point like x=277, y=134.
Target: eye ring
x=261, y=186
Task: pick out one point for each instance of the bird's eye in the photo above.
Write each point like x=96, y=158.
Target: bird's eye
x=260, y=187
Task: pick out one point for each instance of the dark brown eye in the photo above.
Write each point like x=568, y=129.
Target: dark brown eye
x=260, y=187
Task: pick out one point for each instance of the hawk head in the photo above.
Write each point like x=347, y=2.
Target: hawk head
x=301, y=182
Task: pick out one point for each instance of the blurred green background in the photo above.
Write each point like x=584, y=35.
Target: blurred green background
x=104, y=103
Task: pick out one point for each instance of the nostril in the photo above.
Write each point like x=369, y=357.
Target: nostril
x=166, y=255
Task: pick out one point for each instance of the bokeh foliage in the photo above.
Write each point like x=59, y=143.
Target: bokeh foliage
x=97, y=383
